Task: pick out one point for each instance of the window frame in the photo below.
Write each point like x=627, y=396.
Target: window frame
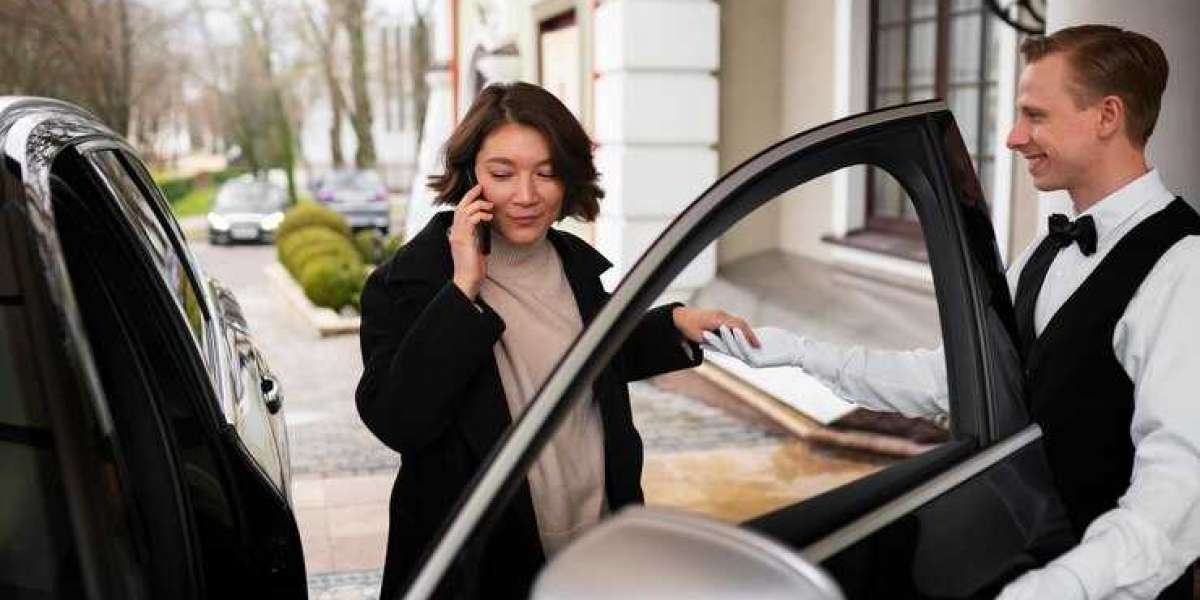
x=906, y=225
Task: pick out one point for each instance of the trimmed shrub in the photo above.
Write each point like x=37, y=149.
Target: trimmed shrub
x=312, y=242
x=331, y=283
x=369, y=243
x=309, y=214
x=391, y=245
x=175, y=189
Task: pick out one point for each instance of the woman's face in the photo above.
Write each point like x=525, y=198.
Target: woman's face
x=513, y=165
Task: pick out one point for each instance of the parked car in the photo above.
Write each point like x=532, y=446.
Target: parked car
x=957, y=521
x=143, y=451
x=246, y=209
x=360, y=195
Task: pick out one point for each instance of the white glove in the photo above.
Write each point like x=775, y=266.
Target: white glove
x=777, y=347
x=1052, y=581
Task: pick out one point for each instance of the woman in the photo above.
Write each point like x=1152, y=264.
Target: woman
x=455, y=343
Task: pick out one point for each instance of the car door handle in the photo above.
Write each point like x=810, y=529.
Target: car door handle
x=270, y=394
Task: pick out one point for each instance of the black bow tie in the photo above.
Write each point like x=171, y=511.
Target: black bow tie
x=1082, y=231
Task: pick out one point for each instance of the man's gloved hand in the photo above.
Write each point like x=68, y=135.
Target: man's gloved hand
x=777, y=347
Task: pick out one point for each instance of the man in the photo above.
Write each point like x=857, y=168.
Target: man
x=1107, y=306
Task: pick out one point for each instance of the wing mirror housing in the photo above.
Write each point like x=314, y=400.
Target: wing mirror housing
x=655, y=553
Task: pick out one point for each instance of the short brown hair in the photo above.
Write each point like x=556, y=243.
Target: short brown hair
x=529, y=105
x=1108, y=61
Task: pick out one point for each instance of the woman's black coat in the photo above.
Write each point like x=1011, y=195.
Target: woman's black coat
x=431, y=390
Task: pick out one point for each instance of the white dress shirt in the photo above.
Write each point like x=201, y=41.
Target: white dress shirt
x=1140, y=547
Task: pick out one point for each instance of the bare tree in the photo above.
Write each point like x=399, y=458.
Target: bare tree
x=418, y=53
x=324, y=38
x=360, y=118
x=258, y=41
x=83, y=51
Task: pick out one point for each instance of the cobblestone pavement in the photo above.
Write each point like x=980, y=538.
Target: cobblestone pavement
x=342, y=474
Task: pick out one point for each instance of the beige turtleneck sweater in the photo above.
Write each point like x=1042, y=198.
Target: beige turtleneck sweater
x=527, y=287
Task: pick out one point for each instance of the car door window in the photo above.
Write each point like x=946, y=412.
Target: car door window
x=168, y=259
x=735, y=442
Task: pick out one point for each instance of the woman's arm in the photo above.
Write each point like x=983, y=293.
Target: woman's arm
x=656, y=346
x=419, y=354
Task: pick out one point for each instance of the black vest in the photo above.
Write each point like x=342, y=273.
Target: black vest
x=1077, y=390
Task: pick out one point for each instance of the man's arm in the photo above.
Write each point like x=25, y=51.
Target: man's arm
x=911, y=382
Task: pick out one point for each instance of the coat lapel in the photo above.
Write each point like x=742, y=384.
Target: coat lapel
x=583, y=266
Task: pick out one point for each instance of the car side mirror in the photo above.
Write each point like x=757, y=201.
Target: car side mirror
x=657, y=553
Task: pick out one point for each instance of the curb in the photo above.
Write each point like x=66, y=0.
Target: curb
x=323, y=320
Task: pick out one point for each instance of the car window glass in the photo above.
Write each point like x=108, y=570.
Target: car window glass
x=167, y=260
x=734, y=441
x=37, y=555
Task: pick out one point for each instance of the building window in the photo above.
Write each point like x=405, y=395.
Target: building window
x=923, y=49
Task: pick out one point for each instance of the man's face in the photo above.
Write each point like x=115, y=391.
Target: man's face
x=1059, y=139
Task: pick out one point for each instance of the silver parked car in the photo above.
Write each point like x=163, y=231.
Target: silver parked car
x=359, y=195
x=246, y=209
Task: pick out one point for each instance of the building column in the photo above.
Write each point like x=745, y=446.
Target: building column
x=1173, y=24
x=656, y=125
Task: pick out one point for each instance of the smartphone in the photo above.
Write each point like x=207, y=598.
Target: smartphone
x=483, y=230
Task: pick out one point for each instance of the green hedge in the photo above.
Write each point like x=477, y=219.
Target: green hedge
x=313, y=243
x=332, y=283
x=307, y=214
x=374, y=247
x=301, y=246
x=177, y=188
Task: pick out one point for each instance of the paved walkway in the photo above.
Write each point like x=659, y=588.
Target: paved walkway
x=704, y=452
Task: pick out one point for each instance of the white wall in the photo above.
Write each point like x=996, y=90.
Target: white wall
x=752, y=109
x=656, y=122
x=808, y=101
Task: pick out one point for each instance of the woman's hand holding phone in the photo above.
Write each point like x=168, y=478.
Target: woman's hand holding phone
x=470, y=267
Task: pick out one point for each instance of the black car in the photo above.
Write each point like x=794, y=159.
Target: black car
x=143, y=452
x=246, y=209
x=957, y=521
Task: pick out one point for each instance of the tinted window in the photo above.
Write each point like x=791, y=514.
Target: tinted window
x=37, y=549
x=166, y=258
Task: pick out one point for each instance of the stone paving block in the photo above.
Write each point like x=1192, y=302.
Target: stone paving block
x=358, y=552
x=318, y=555
x=312, y=522
x=359, y=489
x=350, y=585
x=308, y=493
x=358, y=520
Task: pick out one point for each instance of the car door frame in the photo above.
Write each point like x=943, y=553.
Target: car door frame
x=918, y=144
